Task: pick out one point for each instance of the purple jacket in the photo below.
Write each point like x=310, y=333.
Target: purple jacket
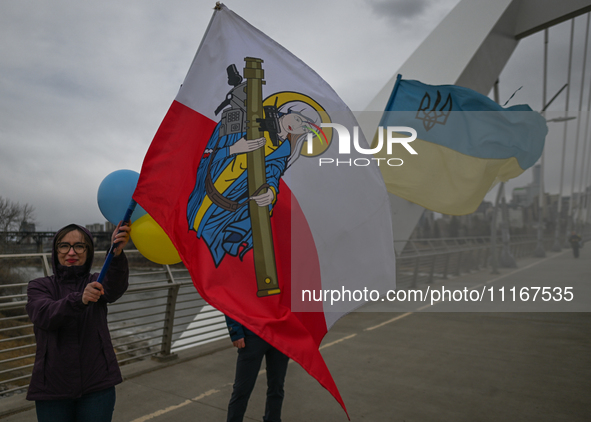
x=74, y=353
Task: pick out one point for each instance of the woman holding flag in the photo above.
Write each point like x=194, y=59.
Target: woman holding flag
x=76, y=370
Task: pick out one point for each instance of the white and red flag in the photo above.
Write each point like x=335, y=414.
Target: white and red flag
x=330, y=226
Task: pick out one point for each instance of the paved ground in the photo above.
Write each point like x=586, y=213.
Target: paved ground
x=408, y=366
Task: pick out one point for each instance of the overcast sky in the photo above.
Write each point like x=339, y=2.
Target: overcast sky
x=84, y=86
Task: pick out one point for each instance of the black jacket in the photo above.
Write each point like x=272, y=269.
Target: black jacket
x=74, y=353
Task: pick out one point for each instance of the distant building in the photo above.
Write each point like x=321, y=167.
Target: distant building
x=524, y=196
x=519, y=197
x=515, y=218
x=109, y=227
x=95, y=228
x=27, y=227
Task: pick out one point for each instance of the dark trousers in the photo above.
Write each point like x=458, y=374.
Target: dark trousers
x=247, y=369
x=93, y=407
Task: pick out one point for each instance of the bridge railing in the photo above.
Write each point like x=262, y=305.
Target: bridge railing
x=162, y=311
x=423, y=261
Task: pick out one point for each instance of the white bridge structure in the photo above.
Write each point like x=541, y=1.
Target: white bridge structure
x=470, y=48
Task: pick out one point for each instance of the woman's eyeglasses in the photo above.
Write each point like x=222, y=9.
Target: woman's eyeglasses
x=65, y=247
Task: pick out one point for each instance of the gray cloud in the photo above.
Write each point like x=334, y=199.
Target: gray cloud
x=84, y=86
x=399, y=10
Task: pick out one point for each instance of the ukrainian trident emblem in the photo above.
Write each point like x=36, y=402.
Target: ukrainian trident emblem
x=434, y=115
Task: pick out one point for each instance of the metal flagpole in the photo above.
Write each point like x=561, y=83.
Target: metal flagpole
x=111, y=253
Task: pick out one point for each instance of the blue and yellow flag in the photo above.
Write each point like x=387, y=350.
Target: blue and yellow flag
x=465, y=144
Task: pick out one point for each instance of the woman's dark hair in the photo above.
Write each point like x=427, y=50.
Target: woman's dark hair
x=70, y=228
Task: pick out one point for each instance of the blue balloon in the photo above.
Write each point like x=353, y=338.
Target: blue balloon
x=115, y=193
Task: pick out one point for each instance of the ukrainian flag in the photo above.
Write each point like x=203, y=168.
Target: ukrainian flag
x=466, y=143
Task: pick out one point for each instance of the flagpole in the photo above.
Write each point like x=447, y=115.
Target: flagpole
x=111, y=252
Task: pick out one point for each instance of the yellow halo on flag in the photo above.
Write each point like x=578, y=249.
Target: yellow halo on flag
x=319, y=143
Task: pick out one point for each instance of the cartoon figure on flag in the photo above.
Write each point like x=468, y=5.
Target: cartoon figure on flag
x=217, y=209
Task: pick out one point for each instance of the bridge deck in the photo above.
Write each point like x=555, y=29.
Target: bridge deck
x=412, y=366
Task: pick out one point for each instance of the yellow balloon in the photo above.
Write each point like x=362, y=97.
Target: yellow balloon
x=152, y=242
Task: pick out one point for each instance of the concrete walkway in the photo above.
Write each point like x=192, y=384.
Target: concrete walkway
x=428, y=365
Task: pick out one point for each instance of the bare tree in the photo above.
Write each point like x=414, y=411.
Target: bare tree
x=12, y=217
x=27, y=214
x=12, y=214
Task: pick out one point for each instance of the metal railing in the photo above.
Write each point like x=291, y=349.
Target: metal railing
x=162, y=312
x=421, y=261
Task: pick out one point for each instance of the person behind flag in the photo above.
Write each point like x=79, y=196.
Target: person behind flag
x=575, y=243
x=76, y=370
x=251, y=350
